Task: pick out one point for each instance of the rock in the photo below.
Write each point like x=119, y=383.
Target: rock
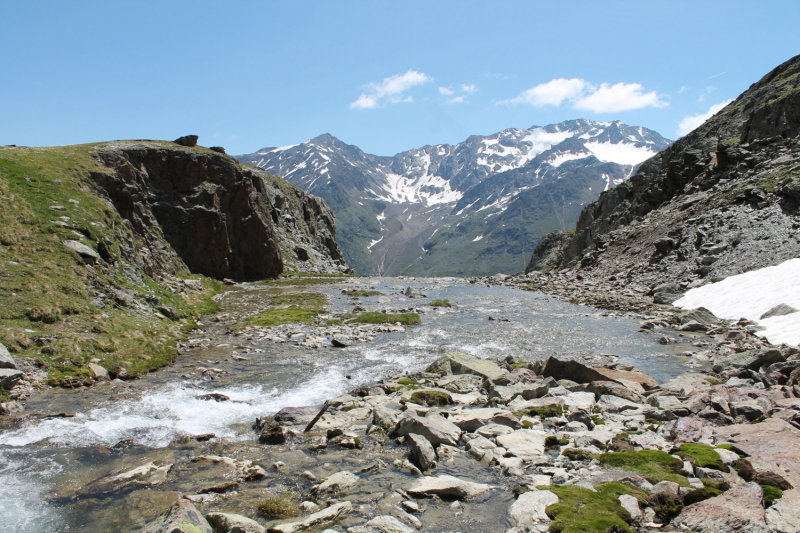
x=749, y=409
x=579, y=401
x=461, y=363
x=664, y=245
x=461, y=384
x=233, y=523
x=448, y=486
x=778, y=310
x=6, y=359
x=636, y=380
x=600, y=388
x=9, y=377
x=100, y=373
x=320, y=519
x=181, y=517
x=667, y=488
x=273, y=435
x=422, y=453
x=527, y=391
x=187, y=140
x=685, y=429
x=411, y=292
x=87, y=254
x=701, y=316
x=739, y=510
x=726, y=456
x=436, y=429
x=528, y=510
x=526, y=444
x=615, y=404
x=686, y=384
x=784, y=515
x=631, y=504
x=385, y=418
x=338, y=482
x=666, y=298
x=572, y=370
x=296, y=416
x=148, y=474
x=482, y=448
x=382, y=524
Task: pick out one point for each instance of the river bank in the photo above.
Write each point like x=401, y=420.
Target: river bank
x=156, y=432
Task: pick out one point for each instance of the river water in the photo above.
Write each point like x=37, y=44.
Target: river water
x=45, y=464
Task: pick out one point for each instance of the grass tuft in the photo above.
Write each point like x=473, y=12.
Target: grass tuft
x=282, y=506
x=406, y=319
x=440, y=303
x=362, y=294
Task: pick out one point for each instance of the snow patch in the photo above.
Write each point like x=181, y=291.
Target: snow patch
x=620, y=153
x=752, y=294
x=476, y=239
x=373, y=243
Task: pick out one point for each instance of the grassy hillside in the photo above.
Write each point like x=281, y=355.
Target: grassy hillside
x=46, y=289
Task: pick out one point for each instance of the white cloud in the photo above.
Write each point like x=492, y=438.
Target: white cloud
x=583, y=95
x=683, y=89
x=618, y=97
x=457, y=100
x=553, y=92
x=692, y=122
x=469, y=88
x=446, y=91
x=390, y=90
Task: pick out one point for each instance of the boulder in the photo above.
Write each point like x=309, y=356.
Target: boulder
x=6, y=359
x=338, y=482
x=422, y=453
x=233, y=523
x=482, y=448
x=685, y=429
x=385, y=418
x=181, y=517
x=686, y=384
x=636, y=380
x=579, y=401
x=470, y=420
x=9, y=377
x=615, y=404
x=572, y=370
x=739, y=510
x=87, y=254
x=527, y=391
x=187, y=140
x=701, y=316
x=529, y=509
x=784, y=515
x=462, y=363
x=778, y=310
x=461, y=384
x=296, y=416
x=600, y=388
x=526, y=444
x=436, y=429
x=411, y=292
x=100, y=373
x=319, y=519
x=448, y=486
x=631, y=504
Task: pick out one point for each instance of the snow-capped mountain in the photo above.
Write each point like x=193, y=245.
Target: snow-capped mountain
x=389, y=208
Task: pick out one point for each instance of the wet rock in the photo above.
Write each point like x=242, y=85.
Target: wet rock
x=296, y=416
x=411, y=292
x=526, y=444
x=738, y=510
x=338, y=482
x=461, y=363
x=273, y=435
x=529, y=509
x=436, y=429
x=9, y=377
x=448, y=486
x=181, y=517
x=385, y=418
x=6, y=359
x=216, y=396
x=233, y=523
x=320, y=519
x=382, y=524
x=422, y=453
x=149, y=474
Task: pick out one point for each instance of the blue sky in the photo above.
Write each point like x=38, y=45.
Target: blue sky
x=385, y=76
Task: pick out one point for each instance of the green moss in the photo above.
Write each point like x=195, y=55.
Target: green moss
x=701, y=455
x=597, y=420
x=553, y=442
x=333, y=322
x=771, y=494
x=430, y=397
x=406, y=319
x=440, y=303
x=577, y=454
x=349, y=408
x=283, y=506
x=732, y=448
x=362, y=293
x=580, y=510
x=289, y=308
x=654, y=465
x=527, y=424
x=406, y=381
x=549, y=411
x=714, y=381
x=699, y=495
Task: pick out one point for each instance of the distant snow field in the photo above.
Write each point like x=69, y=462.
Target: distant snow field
x=752, y=294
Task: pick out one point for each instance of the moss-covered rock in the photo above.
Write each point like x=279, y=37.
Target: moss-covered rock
x=701, y=455
x=580, y=510
x=653, y=465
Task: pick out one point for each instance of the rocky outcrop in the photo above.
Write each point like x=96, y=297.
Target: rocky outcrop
x=190, y=208
x=722, y=200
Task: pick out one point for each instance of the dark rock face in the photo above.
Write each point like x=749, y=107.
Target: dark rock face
x=187, y=140
x=200, y=209
x=718, y=202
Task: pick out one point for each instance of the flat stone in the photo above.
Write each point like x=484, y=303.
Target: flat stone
x=526, y=391
x=493, y=430
x=447, y=486
x=9, y=377
x=6, y=359
x=738, y=510
x=84, y=251
x=523, y=443
x=100, y=373
x=338, y=482
x=461, y=383
x=615, y=404
x=319, y=519
x=471, y=419
x=686, y=384
x=529, y=509
x=181, y=517
x=784, y=515
x=382, y=524
x=580, y=401
x=636, y=380
x=437, y=429
x=462, y=363
x=422, y=453
x=233, y=523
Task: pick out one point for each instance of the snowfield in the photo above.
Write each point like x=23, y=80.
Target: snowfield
x=752, y=294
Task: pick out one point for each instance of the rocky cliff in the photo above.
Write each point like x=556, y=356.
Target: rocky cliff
x=720, y=201
x=200, y=210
